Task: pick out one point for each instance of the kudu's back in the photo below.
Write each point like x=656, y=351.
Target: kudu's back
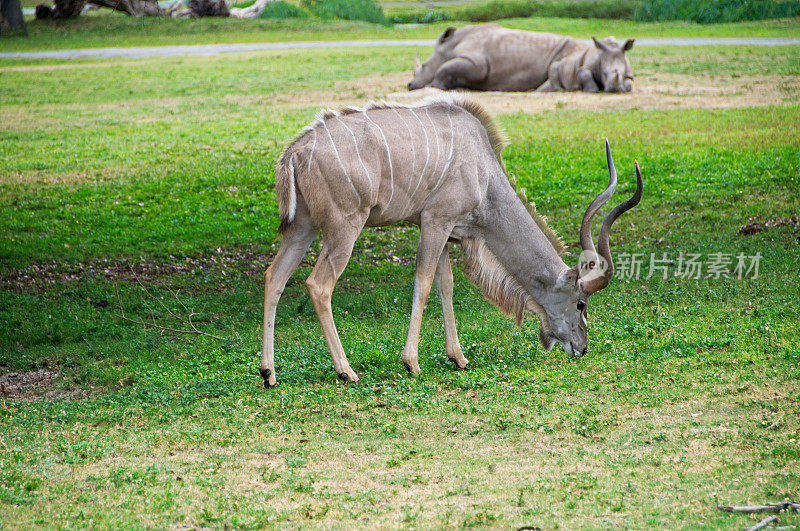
x=392, y=162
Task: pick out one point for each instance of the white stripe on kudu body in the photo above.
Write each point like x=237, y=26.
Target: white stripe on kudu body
x=358, y=154
x=411, y=136
x=314, y=145
x=427, y=148
x=435, y=137
x=465, y=196
x=427, y=159
x=449, y=155
x=341, y=163
x=388, y=155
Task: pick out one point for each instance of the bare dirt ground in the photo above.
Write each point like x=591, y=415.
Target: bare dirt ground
x=33, y=385
x=240, y=260
x=656, y=91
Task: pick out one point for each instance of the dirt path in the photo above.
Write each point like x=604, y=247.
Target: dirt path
x=214, y=49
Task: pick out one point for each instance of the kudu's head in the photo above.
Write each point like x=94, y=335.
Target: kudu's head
x=615, y=69
x=565, y=307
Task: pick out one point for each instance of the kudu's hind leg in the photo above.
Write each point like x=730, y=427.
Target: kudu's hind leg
x=444, y=284
x=337, y=245
x=296, y=239
x=432, y=241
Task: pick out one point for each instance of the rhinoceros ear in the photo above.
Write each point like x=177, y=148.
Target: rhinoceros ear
x=600, y=44
x=447, y=34
x=628, y=45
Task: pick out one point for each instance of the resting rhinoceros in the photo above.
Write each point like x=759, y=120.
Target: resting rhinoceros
x=491, y=57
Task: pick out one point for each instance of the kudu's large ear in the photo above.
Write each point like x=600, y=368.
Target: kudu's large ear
x=447, y=34
x=628, y=45
x=600, y=44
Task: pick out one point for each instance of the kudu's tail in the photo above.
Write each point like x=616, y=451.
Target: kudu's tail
x=286, y=189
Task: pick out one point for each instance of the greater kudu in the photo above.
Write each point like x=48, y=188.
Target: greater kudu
x=438, y=165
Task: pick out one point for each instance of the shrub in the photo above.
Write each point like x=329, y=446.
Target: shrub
x=281, y=9
x=366, y=10
x=500, y=9
x=708, y=11
x=421, y=17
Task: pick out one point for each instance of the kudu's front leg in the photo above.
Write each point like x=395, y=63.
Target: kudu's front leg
x=337, y=246
x=432, y=241
x=444, y=283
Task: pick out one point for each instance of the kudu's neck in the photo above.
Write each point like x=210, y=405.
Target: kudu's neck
x=518, y=243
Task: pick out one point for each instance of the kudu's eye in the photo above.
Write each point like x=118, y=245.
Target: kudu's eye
x=581, y=306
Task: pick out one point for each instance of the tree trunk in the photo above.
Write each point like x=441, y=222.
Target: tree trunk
x=11, y=19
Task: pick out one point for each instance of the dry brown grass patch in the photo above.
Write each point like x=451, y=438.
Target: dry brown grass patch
x=74, y=178
x=657, y=91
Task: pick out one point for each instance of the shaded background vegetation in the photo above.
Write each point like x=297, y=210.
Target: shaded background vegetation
x=702, y=11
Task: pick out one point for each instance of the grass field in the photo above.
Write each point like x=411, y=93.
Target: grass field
x=113, y=29
x=157, y=175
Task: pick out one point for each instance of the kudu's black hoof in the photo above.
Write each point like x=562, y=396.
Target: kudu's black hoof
x=412, y=371
x=265, y=374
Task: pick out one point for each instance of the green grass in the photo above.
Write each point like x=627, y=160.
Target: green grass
x=367, y=10
x=112, y=29
x=178, y=130
x=687, y=398
x=282, y=10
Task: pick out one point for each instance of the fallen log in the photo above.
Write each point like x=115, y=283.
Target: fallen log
x=150, y=8
x=766, y=508
x=199, y=8
x=73, y=8
x=763, y=523
x=250, y=12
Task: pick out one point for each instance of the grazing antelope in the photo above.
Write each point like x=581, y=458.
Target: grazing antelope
x=438, y=165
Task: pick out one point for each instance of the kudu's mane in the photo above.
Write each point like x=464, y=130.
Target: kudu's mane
x=480, y=264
